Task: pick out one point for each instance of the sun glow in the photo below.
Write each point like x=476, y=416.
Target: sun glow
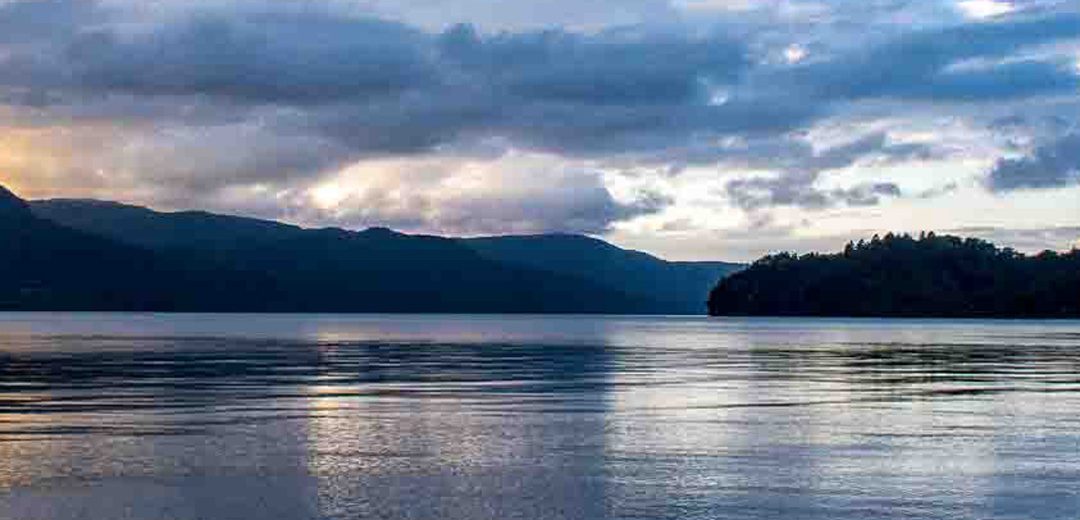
x=328, y=196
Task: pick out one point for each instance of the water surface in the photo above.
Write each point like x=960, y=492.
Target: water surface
x=113, y=416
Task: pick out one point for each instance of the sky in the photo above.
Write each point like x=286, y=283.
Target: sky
x=691, y=129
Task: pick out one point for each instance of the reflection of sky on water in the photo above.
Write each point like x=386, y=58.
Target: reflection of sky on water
x=154, y=416
x=134, y=432
x=827, y=424
x=488, y=431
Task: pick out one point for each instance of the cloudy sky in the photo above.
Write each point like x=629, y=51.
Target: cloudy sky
x=693, y=129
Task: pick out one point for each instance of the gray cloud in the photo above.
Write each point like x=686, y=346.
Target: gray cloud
x=274, y=58
x=796, y=186
x=757, y=193
x=1051, y=165
x=212, y=98
x=294, y=59
x=384, y=87
x=919, y=64
x=499, y=15
x=874, y=144
x=999, y=82
x=622, y=67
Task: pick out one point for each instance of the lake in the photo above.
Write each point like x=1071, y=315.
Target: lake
x=178, y=417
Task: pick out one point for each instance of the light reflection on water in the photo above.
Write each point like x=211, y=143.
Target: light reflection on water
x=459, y=417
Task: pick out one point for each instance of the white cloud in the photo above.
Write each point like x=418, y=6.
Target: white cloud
x=518, y=192
x=982, y=9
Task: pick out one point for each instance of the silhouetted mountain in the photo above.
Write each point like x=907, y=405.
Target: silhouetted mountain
x=678, y=287
x=12, y=207
x=45, y=266
x=903, y=276
x=332, y=261
x=157, y=230
x=377, y=270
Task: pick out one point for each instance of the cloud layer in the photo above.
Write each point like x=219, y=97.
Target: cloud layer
x=1050, y=165
x=256, y=106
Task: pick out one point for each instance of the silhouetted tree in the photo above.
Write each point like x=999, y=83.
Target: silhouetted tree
x=897, y=275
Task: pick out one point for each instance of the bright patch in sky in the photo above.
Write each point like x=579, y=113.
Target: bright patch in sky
x=714, y=5
x=980, y=9
x=328, y=196
x=795, y=53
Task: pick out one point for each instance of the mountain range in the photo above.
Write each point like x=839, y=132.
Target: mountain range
x=68, y=254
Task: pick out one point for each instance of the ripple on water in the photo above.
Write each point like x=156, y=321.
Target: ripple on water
x=537, y=417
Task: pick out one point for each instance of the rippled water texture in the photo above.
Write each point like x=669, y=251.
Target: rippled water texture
x=335, y=417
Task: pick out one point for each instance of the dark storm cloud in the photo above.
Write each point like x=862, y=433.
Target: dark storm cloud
x=300, y=58
x=1052, y=165
x=295, y=59
x=615, y=68
x=923, y=64
x=558, y=92
x=385, y=87
x=390, y=88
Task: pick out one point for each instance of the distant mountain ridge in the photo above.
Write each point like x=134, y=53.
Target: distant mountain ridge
x=159, y=230
x=681, y=287
x=289, y=268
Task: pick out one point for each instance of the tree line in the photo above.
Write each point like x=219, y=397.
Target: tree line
x=901, y=275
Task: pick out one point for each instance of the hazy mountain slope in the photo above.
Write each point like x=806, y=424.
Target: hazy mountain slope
x=681, y=287
x=153, y=229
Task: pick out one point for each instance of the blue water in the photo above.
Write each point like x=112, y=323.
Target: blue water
x=113, y=416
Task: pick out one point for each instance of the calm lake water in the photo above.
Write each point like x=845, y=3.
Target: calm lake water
x=110, y=416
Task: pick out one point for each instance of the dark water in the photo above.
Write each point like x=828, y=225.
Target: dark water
x=291, y=417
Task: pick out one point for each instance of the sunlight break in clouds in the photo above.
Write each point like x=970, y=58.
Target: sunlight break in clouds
x=517, y=193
